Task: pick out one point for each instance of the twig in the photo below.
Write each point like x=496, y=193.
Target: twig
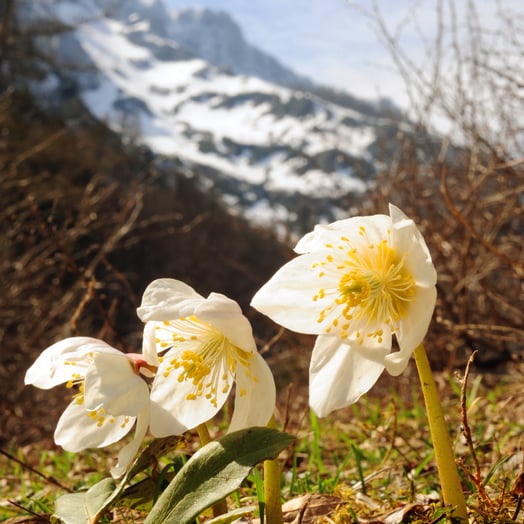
x=37, y=515
x=516, y=266
x=49, y=479
x=466, y=431
x=517, y=508
x=88, y=295
x=267, y=346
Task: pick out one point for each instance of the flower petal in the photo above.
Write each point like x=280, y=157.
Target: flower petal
x=407, y=240
x=149, y=345
x=413, y=329
x=172, y=413
x=112, y=382
x=254, y=399
x=225, y=315
x=168, y=299
x=59, y=362
x=128, y=452
x=339, y=375
x=287, y=297
x=376, y=227
x=77, y=431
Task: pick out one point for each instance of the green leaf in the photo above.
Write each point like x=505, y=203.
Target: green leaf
x=232, y=515
x=155, y=449
x=82, y=508
x=87, y=507
x=69, y=509
x=141, y=495
x=214, y=472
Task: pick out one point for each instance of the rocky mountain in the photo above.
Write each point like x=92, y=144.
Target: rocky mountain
x=217, y=38
x=189, y=87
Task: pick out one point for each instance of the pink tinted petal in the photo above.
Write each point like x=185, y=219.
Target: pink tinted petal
x=77, y=431
x=339, y=375
x=58, y=363
x=254, y=399
x=168, y=299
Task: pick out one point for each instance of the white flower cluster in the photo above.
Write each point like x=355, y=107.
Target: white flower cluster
x=355, y=284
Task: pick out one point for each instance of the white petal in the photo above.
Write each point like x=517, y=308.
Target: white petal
x=59, y=362
x=254, y=399
x=77, y=431
x=225, y=315
x=168, y=299
x=376, y=227
x=407, y=240
x=287, y=297
x=171, y=412
x=149, y=345
x=128, y=452
x=112, y=382
x=413, y=329
x=339, y=375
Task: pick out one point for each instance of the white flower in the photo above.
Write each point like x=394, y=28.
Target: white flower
x=204, y=345
x=111, y=395
x=356, y=283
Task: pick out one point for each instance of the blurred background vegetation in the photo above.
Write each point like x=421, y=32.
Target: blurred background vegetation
x=86, y=221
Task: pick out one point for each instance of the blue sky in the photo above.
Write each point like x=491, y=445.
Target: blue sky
x=332, y=42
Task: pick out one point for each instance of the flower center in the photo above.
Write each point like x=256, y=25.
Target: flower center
x=374, y=288
x=354, y=288
x=202, y=355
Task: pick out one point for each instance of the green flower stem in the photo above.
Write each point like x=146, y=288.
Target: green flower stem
x=203, y=434
x=447, y=469
x=272, y=496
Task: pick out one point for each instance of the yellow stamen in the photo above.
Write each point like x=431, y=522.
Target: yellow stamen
x=205, y=357
x=374, y=288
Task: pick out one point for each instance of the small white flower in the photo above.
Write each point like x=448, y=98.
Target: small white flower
x=356, y=283
x=110, y=398
x=202, y=346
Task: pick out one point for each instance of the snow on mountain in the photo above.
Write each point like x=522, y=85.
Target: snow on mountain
x=277, y=155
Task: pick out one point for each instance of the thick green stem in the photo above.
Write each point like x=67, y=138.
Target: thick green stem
x=203, y=433
x=272, y=496
x=447, y=469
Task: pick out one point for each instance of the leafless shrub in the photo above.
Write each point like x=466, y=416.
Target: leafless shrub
x=85, y=224
x=465, y=186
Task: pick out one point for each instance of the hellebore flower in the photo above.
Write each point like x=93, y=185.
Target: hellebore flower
x=356, y=283
x=111, y=397
x=201, y=345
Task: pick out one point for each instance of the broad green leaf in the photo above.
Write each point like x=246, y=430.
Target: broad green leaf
x=69, y=509
x=215, y=471
x=150, y=455
x=155, y=449
x=84, y=508
x=96, y=496
x=88, y=507
x=141, y=495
